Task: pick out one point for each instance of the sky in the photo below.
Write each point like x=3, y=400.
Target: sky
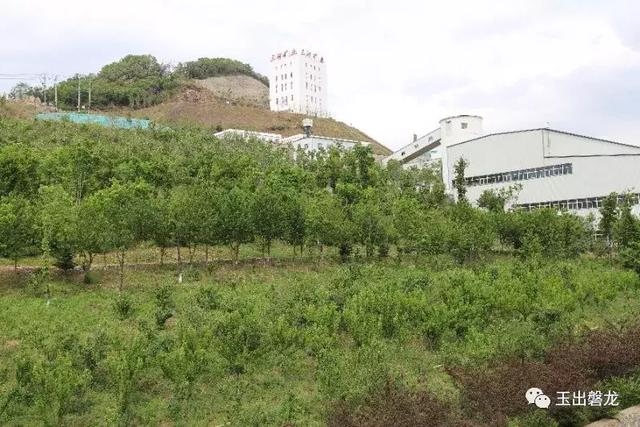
x=395, y=68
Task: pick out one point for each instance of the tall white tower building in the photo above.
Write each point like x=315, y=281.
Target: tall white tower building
x=298, y=83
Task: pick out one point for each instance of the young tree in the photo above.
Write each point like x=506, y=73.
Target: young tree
x=18, y=233
x=627, y=228
x=495, y=200
x=295, y=229
x=459, y=182
x=328, y=223
x=408, y=222
x=163, y=227
x=372, y=225
x=269, y=215
x=123, y=210
x=186, y=209
x=365, y=163
x=608, y=218
x=58, y=220
x=235, y=219
x=93, y=230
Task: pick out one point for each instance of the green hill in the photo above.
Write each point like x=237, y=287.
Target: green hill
x=216, y=93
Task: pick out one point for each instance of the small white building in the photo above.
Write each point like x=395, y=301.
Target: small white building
x=309, y=143
x=313, y=143
x=555, y=168
x=262, y=136
x=298, y=83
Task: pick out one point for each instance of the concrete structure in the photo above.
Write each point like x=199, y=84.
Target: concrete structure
x=308, y=143
x=298, y=83
x=315, y=142
x=262, y=136
x=555, y=169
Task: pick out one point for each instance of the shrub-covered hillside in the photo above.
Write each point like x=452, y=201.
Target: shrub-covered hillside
x=166, y=277
x=216, y=93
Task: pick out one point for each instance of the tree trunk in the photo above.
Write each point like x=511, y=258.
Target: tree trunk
x=192, y=250
x=206, y=255
x=121, y=262
x=235, y=249
x=15, y=264
x=179, y=259
x=162, y=251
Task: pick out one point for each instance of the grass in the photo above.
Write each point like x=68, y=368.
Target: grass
x=280, y=343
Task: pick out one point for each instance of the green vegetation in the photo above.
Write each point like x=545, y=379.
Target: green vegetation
x=252, y=287
x=214, y=67
x=135, y=81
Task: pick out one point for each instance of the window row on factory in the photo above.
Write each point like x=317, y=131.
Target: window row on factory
x=521, y=175
x=576, y=204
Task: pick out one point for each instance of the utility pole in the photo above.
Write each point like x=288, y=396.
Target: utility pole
x=90, y=81
x=44, y=87
x=78, y=77
x=55, y=91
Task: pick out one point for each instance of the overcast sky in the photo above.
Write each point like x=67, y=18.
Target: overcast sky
x=394, y=67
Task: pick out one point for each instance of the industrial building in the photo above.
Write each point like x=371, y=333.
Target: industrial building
x=306, y=141
x=554, y=168
x=298, y=83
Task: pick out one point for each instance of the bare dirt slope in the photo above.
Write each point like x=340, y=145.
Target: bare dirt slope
x=19, y=110
x=237, y=102
x=243, y=89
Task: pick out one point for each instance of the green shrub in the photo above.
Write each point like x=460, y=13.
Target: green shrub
x=208, y=298
x=165, y=306
x=36, y=283
x=631, y=257
x=123, y=306
x=91, y=278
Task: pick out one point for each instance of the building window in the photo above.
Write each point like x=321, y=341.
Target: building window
x=521, y=175
x=292, y=97
x=291, y=75
x=463, y=125
x=579, y=204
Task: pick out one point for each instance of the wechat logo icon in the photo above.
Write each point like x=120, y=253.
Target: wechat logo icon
x=537, y=397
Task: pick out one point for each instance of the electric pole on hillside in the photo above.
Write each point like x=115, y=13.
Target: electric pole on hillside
x=55, y=91
x=44, y=87
x=78, y=77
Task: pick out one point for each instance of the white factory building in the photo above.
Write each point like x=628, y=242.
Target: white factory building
x=298, y=83
x=555, y=168
x=308, y=143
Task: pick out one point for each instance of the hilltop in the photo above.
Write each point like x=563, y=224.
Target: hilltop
x=241, y=102
x=216, y=93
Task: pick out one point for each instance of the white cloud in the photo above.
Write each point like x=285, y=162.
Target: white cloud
x=394, y=68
